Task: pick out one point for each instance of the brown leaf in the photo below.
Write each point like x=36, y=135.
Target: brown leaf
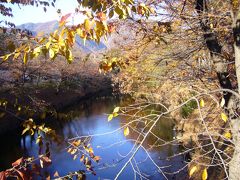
x=22, y=174
x=91, y=154
x=45, y=161
x=56, y=174
x=48, y=177
x=36, y=169
x=82, y=158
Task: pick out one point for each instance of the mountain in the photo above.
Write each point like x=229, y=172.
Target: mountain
x=47, y=27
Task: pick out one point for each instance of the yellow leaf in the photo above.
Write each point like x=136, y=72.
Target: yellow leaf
x=5, y=57
x=228, y=135
x=90, y=150
x=222, y=102
x=87, y=25
x=69, y=56
x=51, y=53
x=32, y=132
x=115, y=114
x=116, y=109
x=74, y=157
x=193, y=169
x=224, y=117
x=202, y=103
x=37, y=50
x=205, y=174
x=77, y=143
x=16, y=55
x=73, y=151
x=69, y=150
x=126, y=131
x=48, y=44
x=25, y=58
x=25, y=130
x=110, y=117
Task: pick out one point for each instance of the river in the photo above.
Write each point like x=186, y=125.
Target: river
x=90, y=118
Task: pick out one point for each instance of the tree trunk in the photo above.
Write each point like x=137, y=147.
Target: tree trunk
x=215, y=49
x=235, y=162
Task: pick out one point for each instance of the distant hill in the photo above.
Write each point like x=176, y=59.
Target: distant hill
x=51, y=26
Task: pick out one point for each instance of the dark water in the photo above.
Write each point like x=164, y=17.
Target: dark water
x=91, y=118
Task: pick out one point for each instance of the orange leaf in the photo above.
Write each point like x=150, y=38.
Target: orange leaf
x=3, y=175
x=96, y=158
x=77, y=143
x=101, y=16
x=17, y=162
x=64, y=18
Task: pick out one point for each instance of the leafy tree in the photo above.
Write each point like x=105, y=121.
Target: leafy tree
x=203, y=28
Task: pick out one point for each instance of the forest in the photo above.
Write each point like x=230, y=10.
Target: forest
x=120, y=89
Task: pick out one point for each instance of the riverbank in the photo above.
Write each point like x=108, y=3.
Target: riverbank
x=44, y=100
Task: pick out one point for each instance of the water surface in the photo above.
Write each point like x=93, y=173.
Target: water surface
x=91, y=118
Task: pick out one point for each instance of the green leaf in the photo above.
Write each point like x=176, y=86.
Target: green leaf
x=110, y=117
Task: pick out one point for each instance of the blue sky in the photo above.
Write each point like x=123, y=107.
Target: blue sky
x=25, y=14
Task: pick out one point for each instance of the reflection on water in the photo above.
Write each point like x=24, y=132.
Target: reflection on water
x=91, y=118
